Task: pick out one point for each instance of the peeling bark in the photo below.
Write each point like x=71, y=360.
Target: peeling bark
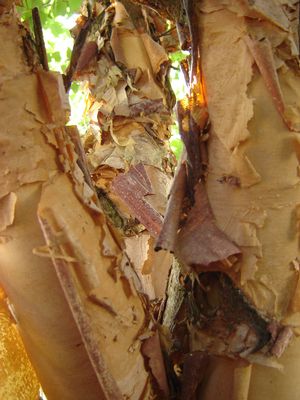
x=250, y=88
x=57, y=250
x=87, y=290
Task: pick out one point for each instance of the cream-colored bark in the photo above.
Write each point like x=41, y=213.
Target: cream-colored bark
x=68, y=280
x=250, y=65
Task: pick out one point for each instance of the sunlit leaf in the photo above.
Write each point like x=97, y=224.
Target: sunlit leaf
x=178, y=56
x=74, y=5
x=176, y=146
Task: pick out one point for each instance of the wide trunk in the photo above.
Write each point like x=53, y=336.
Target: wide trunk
x=241, y=306
x=80, y=272
x=68, y=278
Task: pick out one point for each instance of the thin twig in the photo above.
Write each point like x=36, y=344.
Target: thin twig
x=39, y=38
x=165, y=33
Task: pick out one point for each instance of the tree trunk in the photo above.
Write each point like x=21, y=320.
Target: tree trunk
x=80, y=270
x=64, y=269
x=242, y=311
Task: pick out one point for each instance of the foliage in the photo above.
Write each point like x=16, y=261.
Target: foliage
x=50, y=10
x=180, y=90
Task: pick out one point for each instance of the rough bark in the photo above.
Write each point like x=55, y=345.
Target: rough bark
x=130, y=107
x=66, y=275
x=126, y=145
x=232, y=303
x=250, y=65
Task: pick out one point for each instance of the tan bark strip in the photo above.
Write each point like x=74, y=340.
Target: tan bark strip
x=200, y=241
x=263, y=55
x=63, y=269
x=167, y=237
x=282, y=341
x=151, y=349
x=7, y=210
x=133, y=192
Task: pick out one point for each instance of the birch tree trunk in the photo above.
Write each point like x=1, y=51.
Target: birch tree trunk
x=241, y=309
x=255, y=125
x=66, y=273
x=83, y=286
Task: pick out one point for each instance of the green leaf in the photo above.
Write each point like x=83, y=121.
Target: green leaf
x=69, y=53
x=74, y=6
x=55, y=27
x=59, y=7
x=176, y=146
x=56, y=55
x=178, y=56
x=75, y=87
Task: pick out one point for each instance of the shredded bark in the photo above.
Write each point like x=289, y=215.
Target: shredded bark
x=200, y=241
x=221, y=319
x=132, y=187
x=168, y=234
x=77, y=49
x=194, y=369
x=282, y=341
x=152, y=351
x=263, y=56
x=170, y=9
x=146, y=107
x=88, y=52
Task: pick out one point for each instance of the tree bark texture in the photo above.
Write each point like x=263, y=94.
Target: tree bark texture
x=80, y=270
x=64, y=269
x=249, y=54
x=129, y=106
